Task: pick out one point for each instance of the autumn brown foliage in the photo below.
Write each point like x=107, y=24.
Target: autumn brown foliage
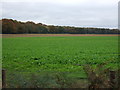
x=10, y=26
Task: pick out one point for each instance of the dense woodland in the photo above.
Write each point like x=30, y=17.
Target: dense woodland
x=10, y=26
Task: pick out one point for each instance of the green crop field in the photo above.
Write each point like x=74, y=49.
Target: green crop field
x=34, y=54
x=59, y=54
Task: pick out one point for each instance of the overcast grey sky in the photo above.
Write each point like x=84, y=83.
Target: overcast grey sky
x=80, y=13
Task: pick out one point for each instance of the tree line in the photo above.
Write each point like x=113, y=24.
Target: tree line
x=10, y=26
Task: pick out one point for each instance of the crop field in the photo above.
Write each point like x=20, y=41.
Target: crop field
x=59, y=54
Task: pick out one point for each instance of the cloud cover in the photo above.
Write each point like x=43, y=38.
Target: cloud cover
x=80, y=13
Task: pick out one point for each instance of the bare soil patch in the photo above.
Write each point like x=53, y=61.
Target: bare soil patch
x=51, y=35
